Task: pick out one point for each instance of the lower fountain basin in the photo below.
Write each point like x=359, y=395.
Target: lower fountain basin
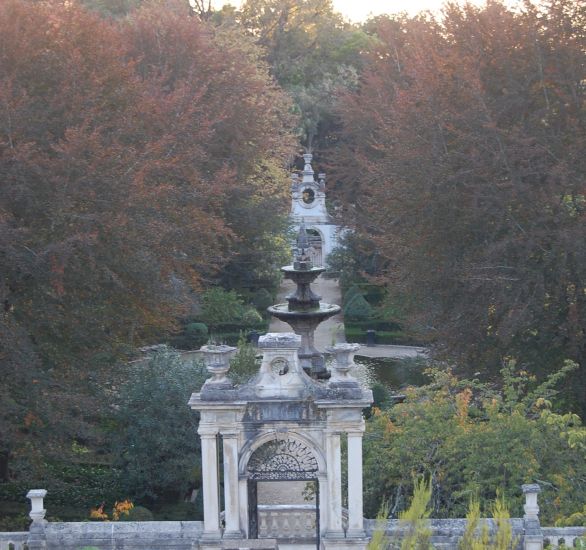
x=281, y=312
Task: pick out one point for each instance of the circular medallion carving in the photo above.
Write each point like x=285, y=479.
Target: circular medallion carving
x=280, y=366
x=308, y=195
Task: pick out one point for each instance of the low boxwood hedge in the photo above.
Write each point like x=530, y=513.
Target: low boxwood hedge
x=398, y=337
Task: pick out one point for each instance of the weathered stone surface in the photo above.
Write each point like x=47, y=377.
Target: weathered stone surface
x=147, y=535
x=284, y=340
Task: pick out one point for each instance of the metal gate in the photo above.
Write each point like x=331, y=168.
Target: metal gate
x=279, y=461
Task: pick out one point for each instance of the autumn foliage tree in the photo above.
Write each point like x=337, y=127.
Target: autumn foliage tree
x=467, y=139
x=123, y=148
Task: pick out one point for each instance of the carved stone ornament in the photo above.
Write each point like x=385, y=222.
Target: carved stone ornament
x=282, y=460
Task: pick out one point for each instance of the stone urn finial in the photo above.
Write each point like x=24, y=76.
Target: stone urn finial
x=36, y=496
x=217, y=362
x=531, y=507
x=343, y=361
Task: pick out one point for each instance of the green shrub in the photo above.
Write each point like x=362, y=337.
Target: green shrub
x=353, y=291
x=374, y=324
x=180, y=511
x=379, y=539
x=229, y=338
x=138, y=513
x=414, y=519
x=196, y=335
x=155, y=448
x=577, y=519
x=262, y=299
x=221, y=306
x=382, y=337
x=243, y=365
x=476, y=538
x=251, y=317
x=358, y=309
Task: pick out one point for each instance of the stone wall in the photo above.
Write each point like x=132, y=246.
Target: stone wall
x=130, y=535
x=187, y=535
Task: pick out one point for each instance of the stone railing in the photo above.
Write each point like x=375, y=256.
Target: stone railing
x=445, y=533
x=282, y=521
x=13, y=541
x=554, y=537
x=131, y=535
x=276, y=522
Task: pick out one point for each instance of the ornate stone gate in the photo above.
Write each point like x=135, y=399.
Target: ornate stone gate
x=280, y=461
x=280, y=426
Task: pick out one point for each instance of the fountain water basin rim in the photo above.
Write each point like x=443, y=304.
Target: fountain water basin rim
x=282, y=310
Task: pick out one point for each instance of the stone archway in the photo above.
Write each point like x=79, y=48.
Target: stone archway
x=283, y=460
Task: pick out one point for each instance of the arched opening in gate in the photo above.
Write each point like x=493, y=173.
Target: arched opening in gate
x=316, y=246
x=277, y=465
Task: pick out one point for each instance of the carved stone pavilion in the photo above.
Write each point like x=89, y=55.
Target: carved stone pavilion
x=282, y=426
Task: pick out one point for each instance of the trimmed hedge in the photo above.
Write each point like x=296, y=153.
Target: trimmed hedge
x=398, y=337
x=374, y=324
x=358, y=308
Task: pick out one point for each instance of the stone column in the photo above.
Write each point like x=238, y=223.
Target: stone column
x=355, y=517
x=334, y=497
x=209, y=474
x=231, y=489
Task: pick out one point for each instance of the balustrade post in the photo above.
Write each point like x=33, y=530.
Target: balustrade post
x=533, y=536
x=37, y=539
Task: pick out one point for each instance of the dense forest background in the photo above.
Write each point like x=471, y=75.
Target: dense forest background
x=144, y=156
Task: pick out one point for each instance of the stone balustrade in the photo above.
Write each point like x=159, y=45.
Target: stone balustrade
x=13, y=541
x=568, y=537
x=276, y=522
x=281, y=521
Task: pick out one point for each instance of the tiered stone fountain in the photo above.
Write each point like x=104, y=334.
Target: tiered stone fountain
x=303, y=310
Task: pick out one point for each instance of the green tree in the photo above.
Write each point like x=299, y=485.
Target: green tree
x=221, y=306
x=312, y=52
x=156, y=446
x=470, y=439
